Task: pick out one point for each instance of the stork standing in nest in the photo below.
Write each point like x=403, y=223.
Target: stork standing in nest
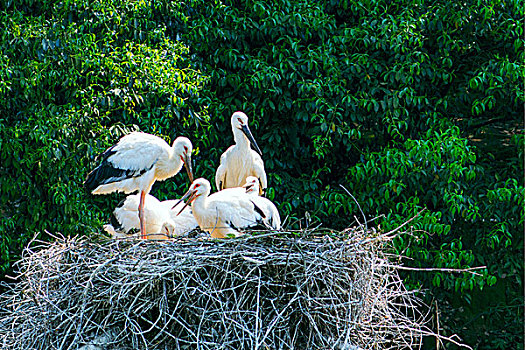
x=239, y=161
x=135, y=163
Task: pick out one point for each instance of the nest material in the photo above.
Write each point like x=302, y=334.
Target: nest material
x=269, y=291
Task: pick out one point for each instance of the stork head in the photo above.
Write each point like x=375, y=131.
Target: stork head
x=198, y=188
x=240, y=122
x=182, y=147
x=168, y=228
x=252, y=185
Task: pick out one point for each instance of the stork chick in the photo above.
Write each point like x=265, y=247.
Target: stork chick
x=228, y=212
x=160, y=218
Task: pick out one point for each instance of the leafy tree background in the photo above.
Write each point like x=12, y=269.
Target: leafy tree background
x=412, y=106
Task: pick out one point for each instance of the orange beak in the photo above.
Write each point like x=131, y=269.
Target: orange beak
x=190, y=195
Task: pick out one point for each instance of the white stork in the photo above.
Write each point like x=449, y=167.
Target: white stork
x=160, y=218
x=228, y=212
x=135, y=163
x=240, y=161
x=271, y=214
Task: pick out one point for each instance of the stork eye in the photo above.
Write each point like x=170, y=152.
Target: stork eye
x=197, y=185
x=186, y=149
x=240, y=120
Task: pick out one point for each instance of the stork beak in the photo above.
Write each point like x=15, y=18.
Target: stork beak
x=190, y=195
x=246, y=130
x=187, y=165
x=186, y=195
x=248, y=187
x=180, y=200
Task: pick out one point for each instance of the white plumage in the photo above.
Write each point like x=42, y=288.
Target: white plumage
x=240, y=161
x=160, y=218
x=182, y=217
x=135, y=163
x=166, y=231
x=271, y=214
x=230, y=211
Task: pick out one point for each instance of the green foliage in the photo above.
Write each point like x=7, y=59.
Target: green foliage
x=439, y=173
x=414, y=107
x=76, y=77
x=404, y=103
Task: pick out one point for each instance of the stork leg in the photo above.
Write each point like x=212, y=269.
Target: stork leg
x=141, y=215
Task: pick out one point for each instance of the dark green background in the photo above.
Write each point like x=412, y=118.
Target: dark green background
x=409, y=105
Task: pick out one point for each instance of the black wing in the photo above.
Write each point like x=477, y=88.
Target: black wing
x=107, y=172
x=258, y=210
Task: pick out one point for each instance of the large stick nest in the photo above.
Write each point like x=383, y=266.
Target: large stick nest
x=268, y=291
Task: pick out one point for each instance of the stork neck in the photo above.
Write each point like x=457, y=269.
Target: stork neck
x=199, y=205
x=171, y=152
x=175, y=163
x=240, y=139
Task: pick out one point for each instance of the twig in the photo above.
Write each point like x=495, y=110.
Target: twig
x=359, y=206
x=428, y=269
x=438, y=342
